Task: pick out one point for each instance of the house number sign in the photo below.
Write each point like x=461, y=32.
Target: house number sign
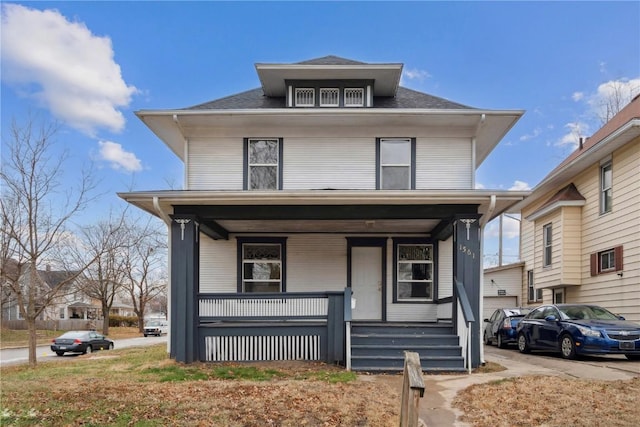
x=467, y=251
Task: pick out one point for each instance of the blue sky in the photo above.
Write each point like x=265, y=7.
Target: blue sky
x=91, y=65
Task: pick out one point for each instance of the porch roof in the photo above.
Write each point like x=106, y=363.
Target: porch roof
x=329, y=211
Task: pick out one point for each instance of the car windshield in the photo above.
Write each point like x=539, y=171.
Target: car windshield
x=587, y=312
x=516, y=312
x=154, y=323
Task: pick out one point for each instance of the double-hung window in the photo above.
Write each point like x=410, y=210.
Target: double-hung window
x=607, y=261
x=261, y=264
x=606, y=187
x=263, y=159
x=414, y=272
x=396, y=163
x=547, y=232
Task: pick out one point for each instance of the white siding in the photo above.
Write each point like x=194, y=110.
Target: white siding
x=320, y=163
x=507, y=278
x=445, y=268
x=316, y=262
x=443, y=163
x=218, y=260
x=215, y=164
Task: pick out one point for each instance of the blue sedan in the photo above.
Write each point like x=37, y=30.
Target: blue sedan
x=574, y=329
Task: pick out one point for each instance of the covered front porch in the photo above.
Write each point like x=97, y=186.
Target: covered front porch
x=293, y=275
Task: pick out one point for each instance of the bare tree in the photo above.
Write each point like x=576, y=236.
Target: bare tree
x=105, y=242
x=616, y=94
x=36, y=211
x=145, y=266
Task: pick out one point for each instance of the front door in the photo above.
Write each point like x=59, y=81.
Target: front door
x=366, y=282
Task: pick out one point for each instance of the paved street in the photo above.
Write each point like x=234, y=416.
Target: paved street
x=14, y=356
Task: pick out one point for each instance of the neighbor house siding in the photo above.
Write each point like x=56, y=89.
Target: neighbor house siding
x=548, y=276
x=570, y=259
x=444, y=163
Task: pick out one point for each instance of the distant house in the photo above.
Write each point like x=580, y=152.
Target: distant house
x=330, y=214
x=580, y=229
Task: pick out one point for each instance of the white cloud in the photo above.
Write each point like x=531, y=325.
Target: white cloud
x=577, y=96
x=64, y=67
x=520, y=186
x=575, y=130
x=536, y=132
x=415, y=74
x=612, y=96
x=480, y=186
x=119, y=159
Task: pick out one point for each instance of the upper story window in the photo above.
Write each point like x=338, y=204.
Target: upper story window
x=353, y=97
x=305, y=97
x=329, y=97
x=396, y=163
x=263, y=164
x=547, y=245
x=606, y=187
x=606, y=261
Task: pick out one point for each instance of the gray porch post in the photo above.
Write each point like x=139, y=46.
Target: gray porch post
x=467, y=269
x=185, y=261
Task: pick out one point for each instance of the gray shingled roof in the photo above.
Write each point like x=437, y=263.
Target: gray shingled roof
x=255, y=99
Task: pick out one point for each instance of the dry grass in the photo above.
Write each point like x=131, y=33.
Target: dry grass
x=551, y=401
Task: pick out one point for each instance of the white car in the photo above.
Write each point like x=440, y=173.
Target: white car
x=156, y=327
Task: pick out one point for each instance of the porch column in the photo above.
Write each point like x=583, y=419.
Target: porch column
x=467, y=269
x=185, y=262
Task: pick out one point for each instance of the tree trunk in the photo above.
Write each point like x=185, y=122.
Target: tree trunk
x=33, y=338
x=105, y=320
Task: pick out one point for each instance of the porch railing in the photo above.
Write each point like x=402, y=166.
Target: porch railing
x=464, y=330
x=287, y=326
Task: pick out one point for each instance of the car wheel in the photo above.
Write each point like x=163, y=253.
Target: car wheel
x=567, y=347
x=501, y=344
x=523, y=345
x=487, y=341
x=110, y=346
x=145, y=335
x=88, y=350
x=633, y=356
x=60, y=353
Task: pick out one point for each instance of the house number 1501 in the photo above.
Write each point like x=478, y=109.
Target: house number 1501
x=467, y=251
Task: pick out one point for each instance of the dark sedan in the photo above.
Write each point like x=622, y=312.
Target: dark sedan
x=500, y=328
x=80, y=342
x=574, y=330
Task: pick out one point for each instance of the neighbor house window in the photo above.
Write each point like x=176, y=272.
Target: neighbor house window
x=607, y=261
x=414, y=272
x=547, y=245
x=261, y=265
x=606, y=191
x=353, y=97
x=263, y=158
x=534, y=294
x=305, y=97
x=396, y=163
x=329, y=97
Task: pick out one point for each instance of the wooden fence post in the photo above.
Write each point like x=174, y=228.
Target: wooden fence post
x=412, y=389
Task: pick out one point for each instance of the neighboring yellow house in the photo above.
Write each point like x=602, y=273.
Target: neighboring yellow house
x=580, y=228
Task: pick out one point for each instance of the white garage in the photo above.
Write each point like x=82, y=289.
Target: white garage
x=491, y=304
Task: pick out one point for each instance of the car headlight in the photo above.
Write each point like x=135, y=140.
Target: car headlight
x=588, y=332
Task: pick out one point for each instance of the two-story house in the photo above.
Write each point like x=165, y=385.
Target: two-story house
x=330, y=214
x=580, y=229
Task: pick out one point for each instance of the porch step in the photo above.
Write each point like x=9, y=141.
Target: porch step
x=380, y=347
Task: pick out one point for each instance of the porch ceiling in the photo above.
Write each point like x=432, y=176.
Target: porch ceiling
x=330, y=226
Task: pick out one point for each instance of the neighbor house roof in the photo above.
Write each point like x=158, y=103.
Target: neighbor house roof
x=567, y=196
x=623, y=128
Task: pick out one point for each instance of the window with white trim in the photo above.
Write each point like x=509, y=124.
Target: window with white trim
x=263, y=164
x=261, y=267
x=534, y=294
x=607, y=261
x=353, y=97
x=329, y=97
x=305, y=97
x=396, y=157
x=547, y=232
x=414, y=272
x=606, y=187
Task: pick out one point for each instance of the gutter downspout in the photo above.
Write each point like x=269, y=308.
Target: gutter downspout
x=483, y=223
x=167, y=220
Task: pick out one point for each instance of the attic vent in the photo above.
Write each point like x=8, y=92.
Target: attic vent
x=305, y=97
x=353, y=97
